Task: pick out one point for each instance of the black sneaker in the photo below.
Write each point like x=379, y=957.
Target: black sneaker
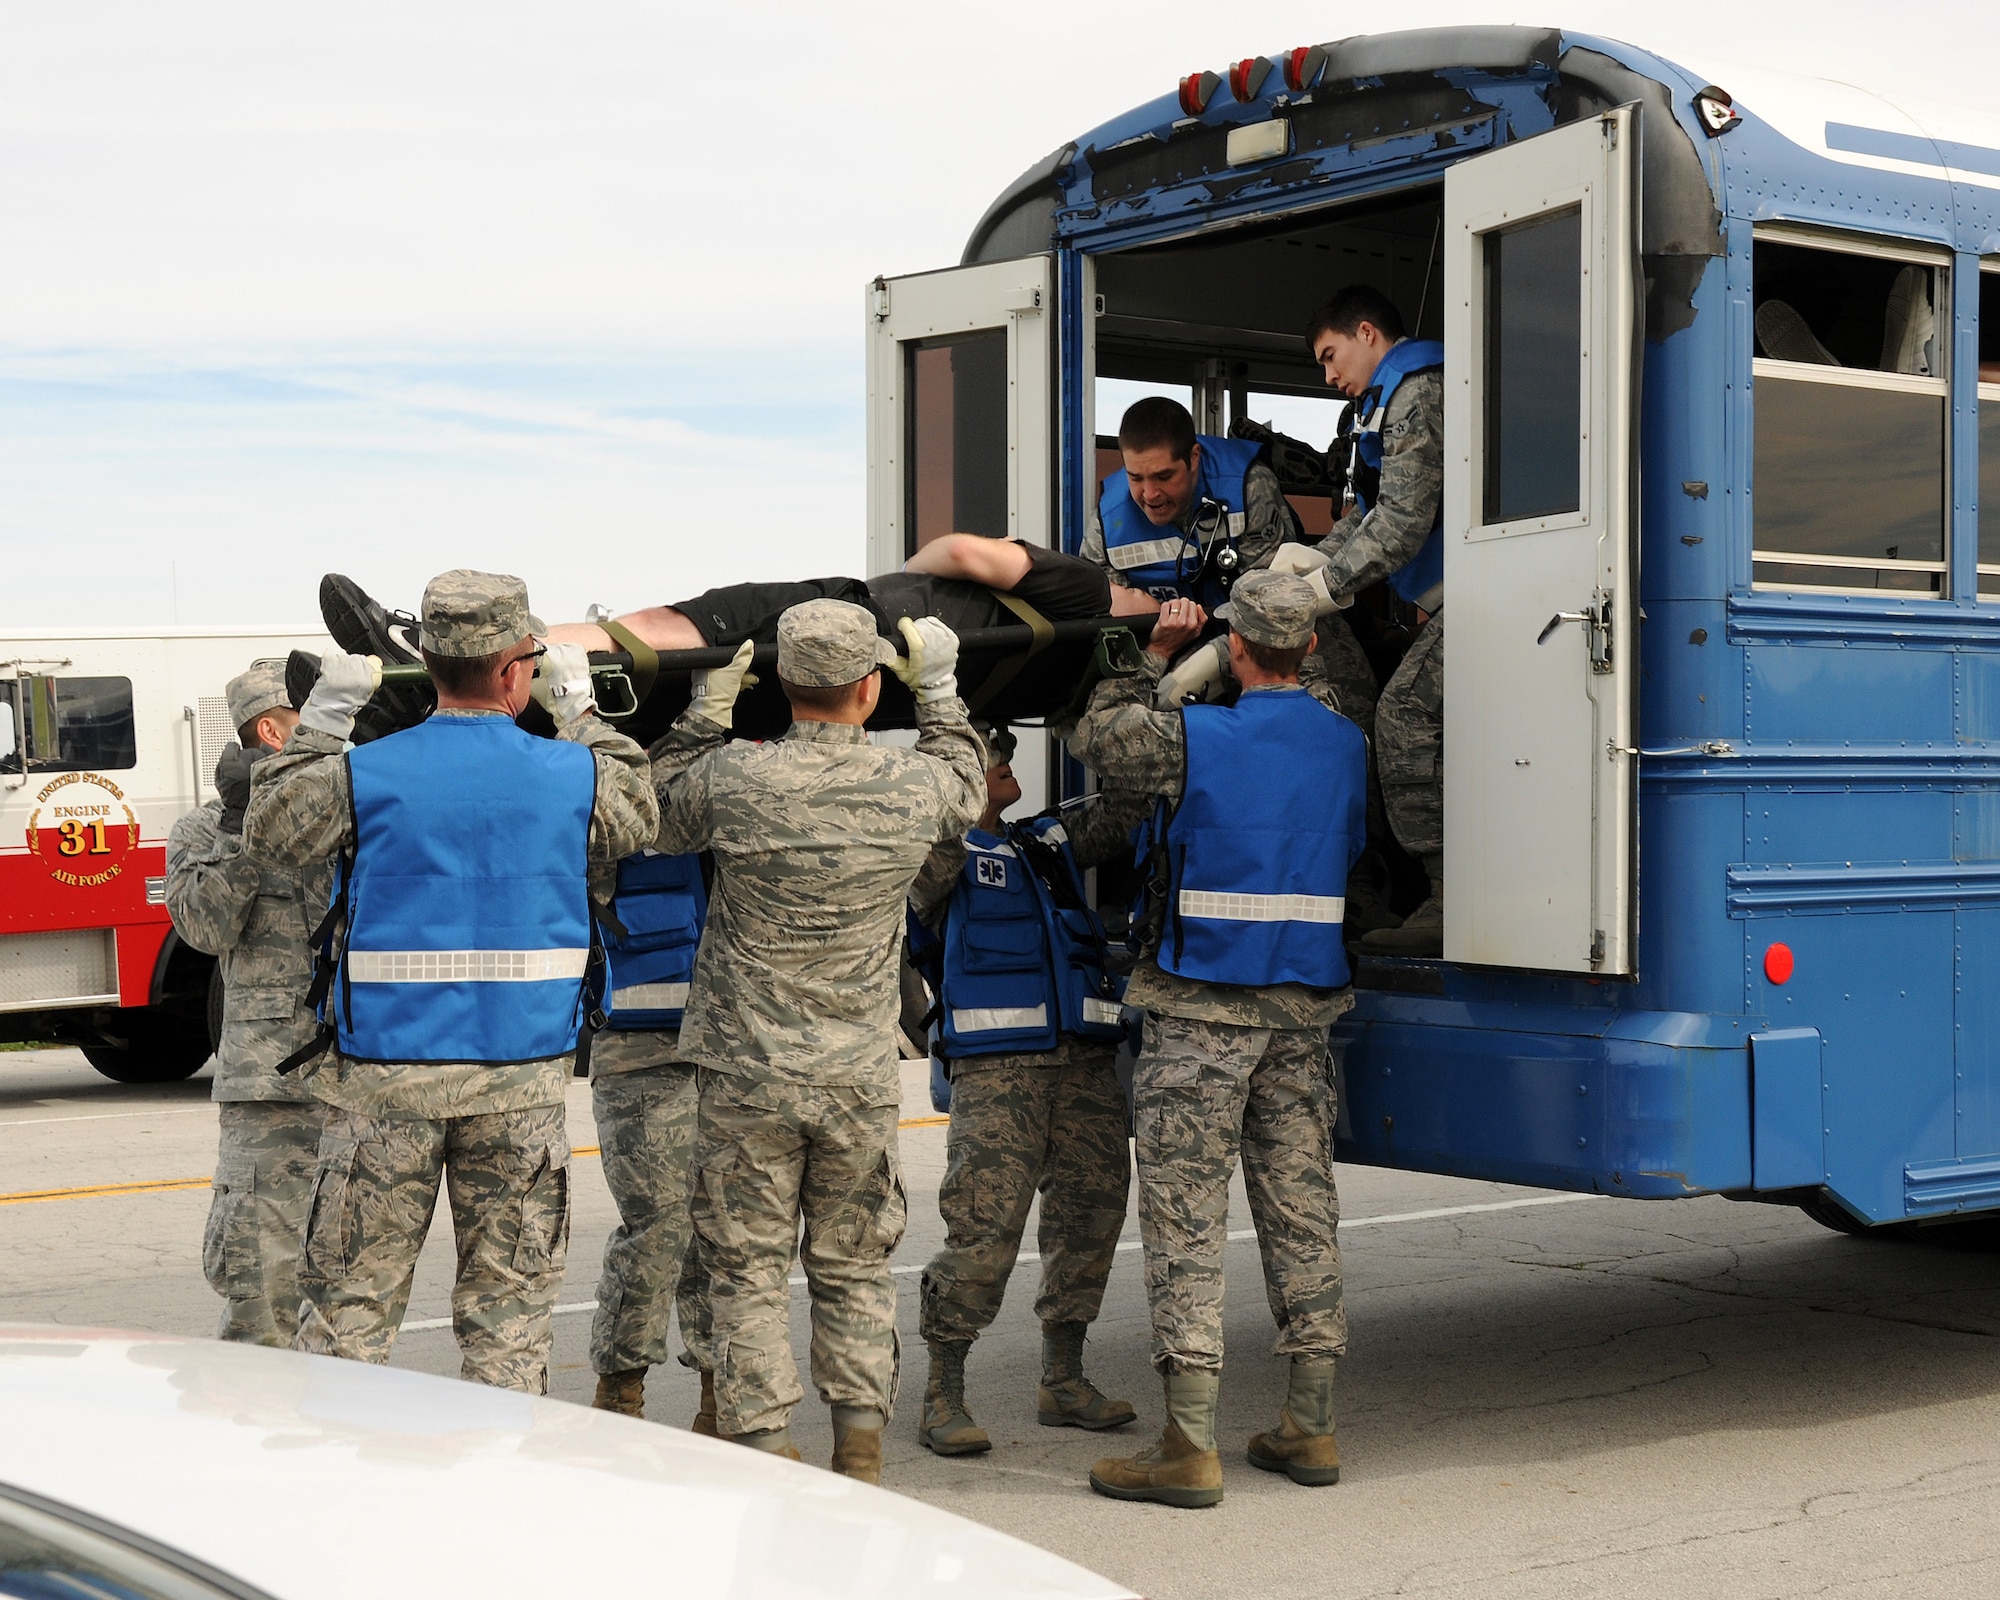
x=362, y=627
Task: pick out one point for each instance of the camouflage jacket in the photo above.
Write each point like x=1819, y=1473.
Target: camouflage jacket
x=619, y=1050
x=302, y=810
x=1126, y=742
x=1268, y=521
x=257, y=922
x=817, y=838
x=1365, y=548
x=1099, y=826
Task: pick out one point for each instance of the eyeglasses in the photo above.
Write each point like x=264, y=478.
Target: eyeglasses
x=532, y=656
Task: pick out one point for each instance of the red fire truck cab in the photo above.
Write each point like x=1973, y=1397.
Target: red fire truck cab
x=106, y=737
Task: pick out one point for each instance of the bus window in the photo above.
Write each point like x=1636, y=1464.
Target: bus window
x=74, y=725
x=1848, y=480
x=1989, y=430
x=958, y=436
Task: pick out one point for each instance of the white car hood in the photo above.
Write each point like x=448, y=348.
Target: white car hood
x=317, y=1479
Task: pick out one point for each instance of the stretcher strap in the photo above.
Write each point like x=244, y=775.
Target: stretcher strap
x=1042, y=634
x=645, y=659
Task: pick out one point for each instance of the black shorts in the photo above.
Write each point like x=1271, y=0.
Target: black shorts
x=739, y=611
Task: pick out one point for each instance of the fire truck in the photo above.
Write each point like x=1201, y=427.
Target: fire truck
x=106, y=737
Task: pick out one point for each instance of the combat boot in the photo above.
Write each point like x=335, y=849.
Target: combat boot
x=1422, y=932
x=946, y=1426
x=1302, y=1446
x=622, y=1392
x=1181, y=1468
x=772, y=1441
x=857, y=1443
x=1067, y=1399
x=704, y=1417
x=362, y=627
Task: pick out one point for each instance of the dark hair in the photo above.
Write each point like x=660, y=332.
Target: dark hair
x=465, y=676
x=247, y=734
x=1269, y=658
x=821, y=696
x=1155, y=421
x=1354, y=305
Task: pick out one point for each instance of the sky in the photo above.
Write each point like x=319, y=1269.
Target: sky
x=569, y=291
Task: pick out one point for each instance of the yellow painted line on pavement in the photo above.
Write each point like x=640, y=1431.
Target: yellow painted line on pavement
x=100, y=1191
x=97, y=1191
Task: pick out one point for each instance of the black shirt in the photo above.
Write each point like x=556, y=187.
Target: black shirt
x=1061, y=587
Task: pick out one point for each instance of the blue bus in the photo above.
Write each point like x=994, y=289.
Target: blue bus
x=1722, y=738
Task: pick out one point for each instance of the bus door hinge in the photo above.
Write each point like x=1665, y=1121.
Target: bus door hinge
x=1597, y=947
x=1610, y=127
x=1597, y=623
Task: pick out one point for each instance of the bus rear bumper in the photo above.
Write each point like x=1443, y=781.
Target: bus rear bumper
x=1648, y=1104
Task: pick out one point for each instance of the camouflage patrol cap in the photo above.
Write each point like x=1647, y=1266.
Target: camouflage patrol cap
x=1271, y=608
x=470, y=613
x=256, y=690
x=825, y=643
x=999, y=741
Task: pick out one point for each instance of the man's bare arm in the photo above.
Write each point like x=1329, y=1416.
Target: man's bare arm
x=997, y=563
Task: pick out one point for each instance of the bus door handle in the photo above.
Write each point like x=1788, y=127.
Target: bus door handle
x=1597, y=624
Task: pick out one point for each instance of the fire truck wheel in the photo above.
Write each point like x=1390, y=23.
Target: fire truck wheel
x=160, y=1050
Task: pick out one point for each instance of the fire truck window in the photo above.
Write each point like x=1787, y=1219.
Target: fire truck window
x=79, y=724
x=1989, y=434
x=957, y=433
x=10, y=758
x=1848, y=474
x=1534, y=358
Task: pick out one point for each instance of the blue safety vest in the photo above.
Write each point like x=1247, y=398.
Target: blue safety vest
x=650, y=939
x=1256, y=852
x=1420, y=580
x=1163, y=560
x=466, y=897
x=1023, y=957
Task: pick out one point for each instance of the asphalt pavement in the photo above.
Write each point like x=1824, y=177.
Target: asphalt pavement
x=1547, y=1395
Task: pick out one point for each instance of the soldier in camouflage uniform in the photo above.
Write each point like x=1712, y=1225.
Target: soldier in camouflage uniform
x=817, y=838
x=492, y=1130
x=1022, y=1121
x=1227, y=1069
x=258, y=924
x=645, y=1096
x=1349, y=340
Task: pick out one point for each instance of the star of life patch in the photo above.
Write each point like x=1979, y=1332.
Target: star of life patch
x=991, y=872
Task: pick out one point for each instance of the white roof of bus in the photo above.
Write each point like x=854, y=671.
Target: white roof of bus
x=1802, y=109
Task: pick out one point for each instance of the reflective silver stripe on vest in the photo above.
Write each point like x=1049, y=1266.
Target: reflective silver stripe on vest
x=1105, y=1011
x=650, y=997
x=1127, y=556
x=464, y=966
x=1263, y=907
x=992, y=1019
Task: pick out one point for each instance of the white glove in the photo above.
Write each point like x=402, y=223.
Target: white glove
x=930, y=670
x=1303, y=560
x=345, y=683
x=1202, y=676
x=561, y=684
x=716, y=688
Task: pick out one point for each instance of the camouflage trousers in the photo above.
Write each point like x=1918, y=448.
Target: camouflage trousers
x=1203, y=1093
x=645, y=1130
x=250, y=1250
x=771, y=1156
x=507, y=1176
x=1016, y=1129
x=1410, y=716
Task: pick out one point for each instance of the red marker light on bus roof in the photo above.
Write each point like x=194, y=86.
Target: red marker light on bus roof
x=1303, y=67
x=1197, y=89
x=1778, y=963
x=1246, y=78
